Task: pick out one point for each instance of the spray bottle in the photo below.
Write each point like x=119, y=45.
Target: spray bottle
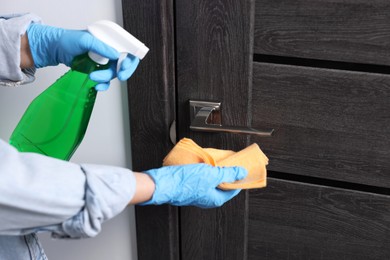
x=55, y=122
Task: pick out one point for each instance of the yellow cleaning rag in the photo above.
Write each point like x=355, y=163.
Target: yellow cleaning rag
x=251, y=158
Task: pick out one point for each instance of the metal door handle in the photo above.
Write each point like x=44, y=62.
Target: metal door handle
x=206, y=116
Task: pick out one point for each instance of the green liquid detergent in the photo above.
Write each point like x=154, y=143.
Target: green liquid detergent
x=55, y=122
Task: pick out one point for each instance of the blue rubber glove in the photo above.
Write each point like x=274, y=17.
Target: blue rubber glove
x=193, y=185
x=127, y=68
x=51, y=46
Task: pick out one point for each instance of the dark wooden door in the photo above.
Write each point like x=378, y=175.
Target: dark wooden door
x=315, y=71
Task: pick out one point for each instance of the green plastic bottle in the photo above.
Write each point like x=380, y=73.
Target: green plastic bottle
x=55, y=122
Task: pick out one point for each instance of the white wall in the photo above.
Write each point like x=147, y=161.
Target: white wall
x=106, y=140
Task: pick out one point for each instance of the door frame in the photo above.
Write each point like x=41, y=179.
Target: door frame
x=151, y=96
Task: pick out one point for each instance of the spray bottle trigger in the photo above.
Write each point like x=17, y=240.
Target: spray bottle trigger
x=98, y=58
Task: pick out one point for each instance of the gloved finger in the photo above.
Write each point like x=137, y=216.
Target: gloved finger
x=102, y=76
x=91, y=43
x=129, y=62
x=232, y=174
x=128, y=66
x=219, y=198
x=102, y=86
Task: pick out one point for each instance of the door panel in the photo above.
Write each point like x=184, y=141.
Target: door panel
x=292, y=220
x=215, y=233
x=210, y=68
x=351, y=31
x=214, y=43
x=330, y=124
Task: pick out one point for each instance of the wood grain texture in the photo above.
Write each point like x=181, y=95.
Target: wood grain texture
x=151, y=90
x=214, y=54
x=151, y=95
x=215, y=233
x=341, y=30
x=329, y=123
x=290, y=220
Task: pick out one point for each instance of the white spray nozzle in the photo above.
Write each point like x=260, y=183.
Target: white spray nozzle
x=118, y=38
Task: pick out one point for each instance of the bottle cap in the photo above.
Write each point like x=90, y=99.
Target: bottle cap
x=118, y=38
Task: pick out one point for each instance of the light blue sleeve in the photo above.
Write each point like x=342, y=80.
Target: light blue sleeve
x=12, y=27
x=39, y=193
